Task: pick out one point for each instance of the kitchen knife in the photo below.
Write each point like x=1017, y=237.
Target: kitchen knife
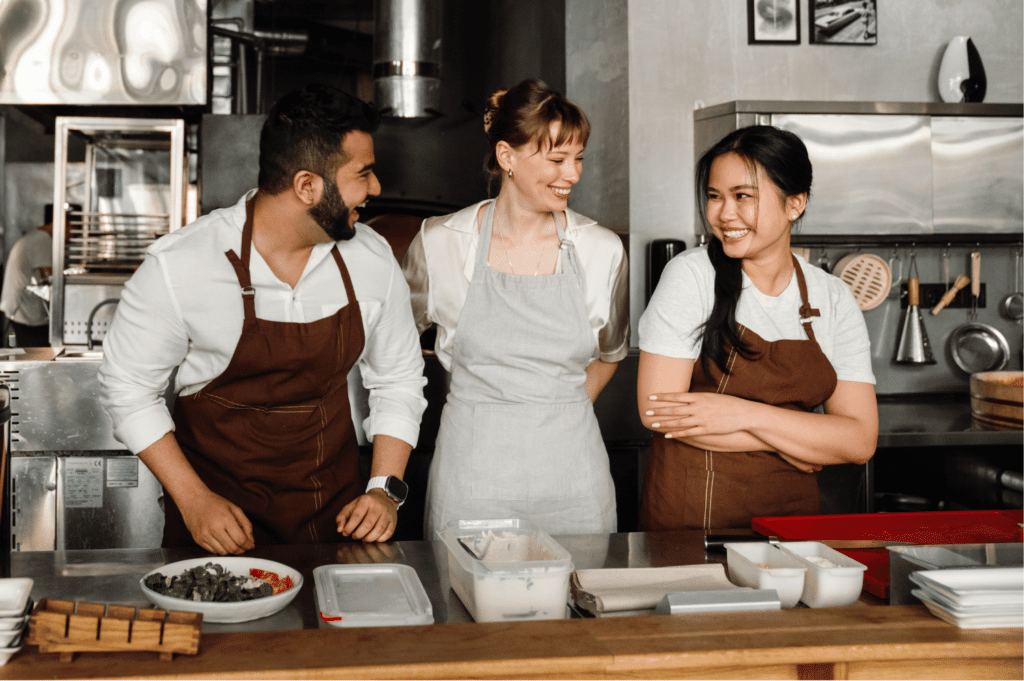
x=717, y=542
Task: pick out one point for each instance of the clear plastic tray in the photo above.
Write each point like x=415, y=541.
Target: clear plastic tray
x=371, y=595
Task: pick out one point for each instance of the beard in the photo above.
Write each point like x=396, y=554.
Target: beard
x=331, y=213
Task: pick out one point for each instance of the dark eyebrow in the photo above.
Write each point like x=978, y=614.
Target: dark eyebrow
x=744, y=186
x=364, y=169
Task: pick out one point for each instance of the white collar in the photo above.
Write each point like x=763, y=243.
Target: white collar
x=465, y=220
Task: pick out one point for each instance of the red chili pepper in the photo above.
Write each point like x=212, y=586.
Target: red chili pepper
x=326, y=618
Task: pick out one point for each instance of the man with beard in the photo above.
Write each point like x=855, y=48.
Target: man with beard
x=263, y=308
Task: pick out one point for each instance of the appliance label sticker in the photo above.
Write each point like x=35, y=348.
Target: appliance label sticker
x=123, y=471
x=83, y=482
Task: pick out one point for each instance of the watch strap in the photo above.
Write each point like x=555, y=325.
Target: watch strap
x=381, y=482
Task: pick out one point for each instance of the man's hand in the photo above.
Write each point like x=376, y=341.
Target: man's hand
x=371, y=517
x=216, y=524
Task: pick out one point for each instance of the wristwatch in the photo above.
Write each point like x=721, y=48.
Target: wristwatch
x=396, y=488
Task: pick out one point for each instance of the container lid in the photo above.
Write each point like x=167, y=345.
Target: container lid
x=372, y=595
x=14, y=594
x=509, y=545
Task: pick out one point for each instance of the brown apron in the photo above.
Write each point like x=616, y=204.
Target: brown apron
x=690, y=488
x=274, y=433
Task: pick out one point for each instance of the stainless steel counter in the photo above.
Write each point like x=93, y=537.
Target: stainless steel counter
x=112, y=575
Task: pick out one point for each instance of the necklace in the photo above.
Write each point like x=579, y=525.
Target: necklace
x=504, y=247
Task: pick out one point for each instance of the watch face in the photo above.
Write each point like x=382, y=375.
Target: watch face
x=396, y=488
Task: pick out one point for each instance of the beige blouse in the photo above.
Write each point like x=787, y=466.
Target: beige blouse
x=439, y=266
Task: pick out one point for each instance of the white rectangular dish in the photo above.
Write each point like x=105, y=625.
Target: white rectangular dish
x=987, y=621
x=371, y=595
x=967, y=587
x=833, y=580
x=523, y=573
x=763, y=566
x=14, y=593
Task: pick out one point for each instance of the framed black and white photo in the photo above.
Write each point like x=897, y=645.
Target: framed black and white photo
x=773, y=22
x=843, y=22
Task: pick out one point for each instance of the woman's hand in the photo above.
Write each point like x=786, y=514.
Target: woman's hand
x=686, y=414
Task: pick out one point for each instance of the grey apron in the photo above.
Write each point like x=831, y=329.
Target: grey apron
x=518, y=435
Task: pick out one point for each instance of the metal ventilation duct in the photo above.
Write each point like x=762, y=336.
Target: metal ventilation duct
x=407, y=57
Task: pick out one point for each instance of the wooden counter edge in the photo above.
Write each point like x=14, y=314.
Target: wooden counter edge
x=611, y=647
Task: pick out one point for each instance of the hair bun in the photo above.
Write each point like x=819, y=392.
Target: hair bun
x=493, y=102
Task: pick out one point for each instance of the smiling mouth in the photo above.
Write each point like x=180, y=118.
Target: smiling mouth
x=735, y=233
x=563, y=193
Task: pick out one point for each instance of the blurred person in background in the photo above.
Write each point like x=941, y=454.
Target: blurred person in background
x=31, y=258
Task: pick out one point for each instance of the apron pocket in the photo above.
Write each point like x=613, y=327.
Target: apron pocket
x=534, y=452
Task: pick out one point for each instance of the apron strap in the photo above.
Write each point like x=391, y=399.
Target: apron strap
x=349, y=290
x=806, y=311
x=241, y=266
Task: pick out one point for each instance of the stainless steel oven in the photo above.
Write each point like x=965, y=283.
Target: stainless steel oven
x=134, y=193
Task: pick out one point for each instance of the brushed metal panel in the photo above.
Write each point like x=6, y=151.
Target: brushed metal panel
x=108, y=502
x=33, y=488
x=103, y=52
x=978, y=174
x=56, y=407
x=872, y=174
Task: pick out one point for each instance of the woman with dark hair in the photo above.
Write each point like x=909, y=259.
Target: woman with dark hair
x=529, y=299
x=741, y=343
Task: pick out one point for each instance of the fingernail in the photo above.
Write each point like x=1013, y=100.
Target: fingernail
x=648, y=413
x=653, y=397
x=668, y=435
x=655, y=425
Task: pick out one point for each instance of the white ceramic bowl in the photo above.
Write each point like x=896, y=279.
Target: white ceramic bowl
x=14, y=592
x=13, y=623
x=227, y=613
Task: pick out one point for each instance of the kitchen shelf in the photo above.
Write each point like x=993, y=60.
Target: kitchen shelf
x=930, y=420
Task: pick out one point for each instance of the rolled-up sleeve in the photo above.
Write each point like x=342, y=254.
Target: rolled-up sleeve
x=392, y=367
x=613, y=338
x=146, y=341
x=417, y=276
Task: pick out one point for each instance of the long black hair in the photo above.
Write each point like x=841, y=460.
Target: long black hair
x=783, y=158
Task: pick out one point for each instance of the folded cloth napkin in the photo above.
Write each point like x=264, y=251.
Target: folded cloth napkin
x=617, y=589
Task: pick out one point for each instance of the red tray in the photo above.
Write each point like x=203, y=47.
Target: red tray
x=940, y=527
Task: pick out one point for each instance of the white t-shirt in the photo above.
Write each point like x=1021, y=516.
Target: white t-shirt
x=29, y=253
x=685, y=295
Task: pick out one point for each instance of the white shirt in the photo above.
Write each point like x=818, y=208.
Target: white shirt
x=670, y=326
x=29, y=253
x=439, y=267
x=183, y=308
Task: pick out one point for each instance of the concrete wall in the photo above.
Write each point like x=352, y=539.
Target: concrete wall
x=597, y=79
x=686, y=52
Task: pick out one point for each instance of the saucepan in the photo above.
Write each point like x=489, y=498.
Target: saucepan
x=978, y=347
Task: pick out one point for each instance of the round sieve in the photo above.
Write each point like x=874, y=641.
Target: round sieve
x=867, y=276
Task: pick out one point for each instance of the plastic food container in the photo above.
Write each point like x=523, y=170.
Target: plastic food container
x=826, y=586
x=763, y=566
x=523, y=574
x=371, y=595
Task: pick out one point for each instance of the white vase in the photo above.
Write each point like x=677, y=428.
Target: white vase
x=961, y=74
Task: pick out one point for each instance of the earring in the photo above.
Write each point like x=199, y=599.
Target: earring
x=793, y=217
x=510, y=173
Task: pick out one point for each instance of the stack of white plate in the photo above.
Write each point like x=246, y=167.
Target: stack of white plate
x=973, y=598
x=15, y=612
